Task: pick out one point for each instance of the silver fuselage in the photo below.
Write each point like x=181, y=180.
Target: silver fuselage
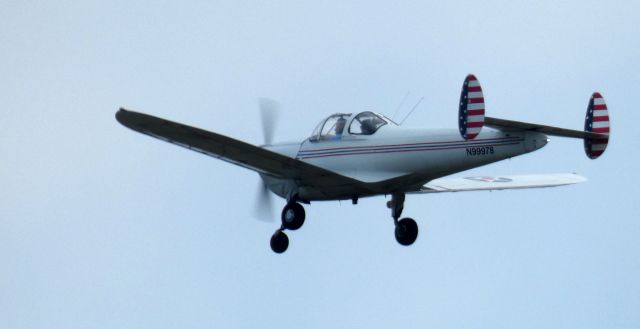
x=394, y=151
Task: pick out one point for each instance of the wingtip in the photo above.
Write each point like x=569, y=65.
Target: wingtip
x=577, y=178
x=120, y=114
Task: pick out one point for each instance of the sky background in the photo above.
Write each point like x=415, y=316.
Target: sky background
x=101, y=227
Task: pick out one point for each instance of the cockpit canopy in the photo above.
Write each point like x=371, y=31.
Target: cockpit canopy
x=333, y=127
x=366, y=123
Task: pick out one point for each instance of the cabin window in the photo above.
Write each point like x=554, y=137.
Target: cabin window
x=333, y=128
x=330, y=129
x=366, y=123
x=316, y=132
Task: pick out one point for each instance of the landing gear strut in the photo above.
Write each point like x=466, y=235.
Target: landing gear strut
x=292, y=219
x=406, y=231
x=293, y=215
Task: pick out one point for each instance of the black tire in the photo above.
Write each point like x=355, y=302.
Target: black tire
x=293, y=216
x=406, y=231
x=279, y=242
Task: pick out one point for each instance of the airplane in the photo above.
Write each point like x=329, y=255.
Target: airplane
x=355, y=155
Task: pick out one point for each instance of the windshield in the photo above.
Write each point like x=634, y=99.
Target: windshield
x=331, y=128
x=366, y=123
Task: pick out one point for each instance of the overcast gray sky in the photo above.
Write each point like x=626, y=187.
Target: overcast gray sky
x=101, y=227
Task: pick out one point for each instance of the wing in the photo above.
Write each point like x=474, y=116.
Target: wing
x=238, y=152
x=499, y=183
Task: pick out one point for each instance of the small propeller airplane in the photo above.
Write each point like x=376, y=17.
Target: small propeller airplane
x=354, y=155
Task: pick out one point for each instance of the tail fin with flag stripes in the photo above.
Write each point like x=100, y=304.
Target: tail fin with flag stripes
x=471, y=110
x=595, y=134
x=596, y=121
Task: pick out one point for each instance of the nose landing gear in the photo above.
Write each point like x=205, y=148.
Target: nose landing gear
x=292, y=217
x=279, y=242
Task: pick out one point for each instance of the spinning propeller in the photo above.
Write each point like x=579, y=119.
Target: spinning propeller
x=269, y=110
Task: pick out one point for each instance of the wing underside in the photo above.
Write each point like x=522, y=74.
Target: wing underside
x=240, y=153
x=487, y=183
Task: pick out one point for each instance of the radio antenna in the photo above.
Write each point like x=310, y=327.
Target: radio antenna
x=412, y=109
x=404, y=99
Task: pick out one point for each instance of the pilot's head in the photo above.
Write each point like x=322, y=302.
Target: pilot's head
x=340, y=125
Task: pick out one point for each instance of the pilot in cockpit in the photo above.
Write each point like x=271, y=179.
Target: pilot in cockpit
x=331, y=128
x=339, y=128
x=367, y=127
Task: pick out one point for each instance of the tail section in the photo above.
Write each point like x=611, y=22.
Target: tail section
x=471, y=119
x=471, y=111
x=596, y=121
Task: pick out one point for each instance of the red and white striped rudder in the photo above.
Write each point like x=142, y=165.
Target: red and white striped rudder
x=471, y=111
x=596, y=121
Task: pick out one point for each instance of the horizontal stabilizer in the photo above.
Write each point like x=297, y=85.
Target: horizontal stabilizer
x=507, y=125
x=597, y=127
x=486, y=183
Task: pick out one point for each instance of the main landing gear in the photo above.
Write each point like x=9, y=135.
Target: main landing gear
x=406, y=228
x=292, y=219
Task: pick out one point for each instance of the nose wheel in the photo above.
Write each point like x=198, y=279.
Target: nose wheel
x=292, y=217
x=279, y=242
x=406, y=230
